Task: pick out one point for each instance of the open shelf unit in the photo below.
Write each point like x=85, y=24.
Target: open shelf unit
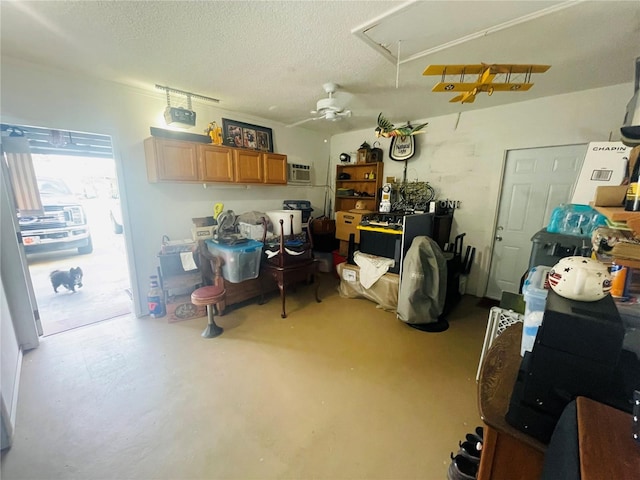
x=364, y=187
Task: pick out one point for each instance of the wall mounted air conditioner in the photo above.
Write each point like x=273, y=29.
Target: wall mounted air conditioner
x=299, y=173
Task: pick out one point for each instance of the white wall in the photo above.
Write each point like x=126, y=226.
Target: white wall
x=463, y=158
x=11, y=357
x=33, y=95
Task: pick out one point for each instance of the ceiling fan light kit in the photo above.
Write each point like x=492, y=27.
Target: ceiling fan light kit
x=329, y=108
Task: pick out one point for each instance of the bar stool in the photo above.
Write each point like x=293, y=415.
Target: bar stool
x=209, y=296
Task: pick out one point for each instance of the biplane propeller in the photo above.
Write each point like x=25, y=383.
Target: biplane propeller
x=487, y=78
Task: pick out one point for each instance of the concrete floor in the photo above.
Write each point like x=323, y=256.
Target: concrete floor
x=106, y=288
x=338, y=390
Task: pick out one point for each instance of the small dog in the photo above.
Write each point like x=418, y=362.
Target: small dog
x=70, y=279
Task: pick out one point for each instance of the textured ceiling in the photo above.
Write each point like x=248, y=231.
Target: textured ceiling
x=270, y=59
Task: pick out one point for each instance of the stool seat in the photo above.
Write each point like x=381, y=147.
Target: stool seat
x=207, y=295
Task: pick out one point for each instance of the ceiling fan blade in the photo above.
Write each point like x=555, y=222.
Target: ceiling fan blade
x=301, y=122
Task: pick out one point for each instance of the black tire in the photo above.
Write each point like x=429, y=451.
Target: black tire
x=117, y=228
x=88, y=248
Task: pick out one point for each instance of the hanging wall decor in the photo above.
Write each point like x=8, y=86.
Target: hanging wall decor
x=402, y=141
x=244, y=135
x=402, y=148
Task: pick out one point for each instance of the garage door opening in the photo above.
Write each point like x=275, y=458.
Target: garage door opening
x=80, y=227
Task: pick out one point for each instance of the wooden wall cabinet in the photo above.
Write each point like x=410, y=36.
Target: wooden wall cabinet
x=181, y=161
x=360, y=182
x=216, y=163
x=171, y=160
x=275, y=168
x=248, y=166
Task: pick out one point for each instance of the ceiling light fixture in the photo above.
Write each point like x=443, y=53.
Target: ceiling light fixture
x=178, y=116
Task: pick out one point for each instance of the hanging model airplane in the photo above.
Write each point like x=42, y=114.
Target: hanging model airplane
x=484, y=78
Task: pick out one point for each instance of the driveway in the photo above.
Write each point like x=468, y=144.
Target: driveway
x=106, y=289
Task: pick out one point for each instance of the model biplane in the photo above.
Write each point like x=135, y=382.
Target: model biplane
x=473, y=79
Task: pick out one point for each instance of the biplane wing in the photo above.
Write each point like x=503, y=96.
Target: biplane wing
x=470, y=90
x=482, y=87
x=454, y=69
x=508, y=87
x=479, y=68
x=454, y=87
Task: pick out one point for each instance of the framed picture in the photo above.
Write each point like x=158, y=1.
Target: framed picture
x=245, y=135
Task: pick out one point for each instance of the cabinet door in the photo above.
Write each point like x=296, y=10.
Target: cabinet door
x=248, y=166
x=275, y=168
x=171, y=160
x=216, y=163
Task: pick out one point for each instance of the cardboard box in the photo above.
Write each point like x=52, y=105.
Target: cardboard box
x=203, y=221
x=202, y=233
x=346, y=223
x=612, y=196
x=179, y=308
x=605, y=163
x=343, y=250
x=384, y=292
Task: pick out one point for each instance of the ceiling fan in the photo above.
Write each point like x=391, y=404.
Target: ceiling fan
x=330, y=108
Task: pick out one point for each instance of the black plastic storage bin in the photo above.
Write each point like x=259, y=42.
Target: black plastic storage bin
x=548, y=248
x=303, y=205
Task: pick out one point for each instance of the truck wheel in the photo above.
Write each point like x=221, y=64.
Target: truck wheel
x=88, y=248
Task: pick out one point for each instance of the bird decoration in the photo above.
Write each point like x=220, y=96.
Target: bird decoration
x=387, y=129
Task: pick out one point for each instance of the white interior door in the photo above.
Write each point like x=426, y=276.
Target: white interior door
x=536, y=180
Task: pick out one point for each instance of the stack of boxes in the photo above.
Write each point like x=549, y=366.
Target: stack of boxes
x=576, y=353
x=347, y=224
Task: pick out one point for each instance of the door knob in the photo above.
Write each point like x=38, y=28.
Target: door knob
x=498, y=238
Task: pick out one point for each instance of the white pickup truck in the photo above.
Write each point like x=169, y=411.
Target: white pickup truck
x=63, y=225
